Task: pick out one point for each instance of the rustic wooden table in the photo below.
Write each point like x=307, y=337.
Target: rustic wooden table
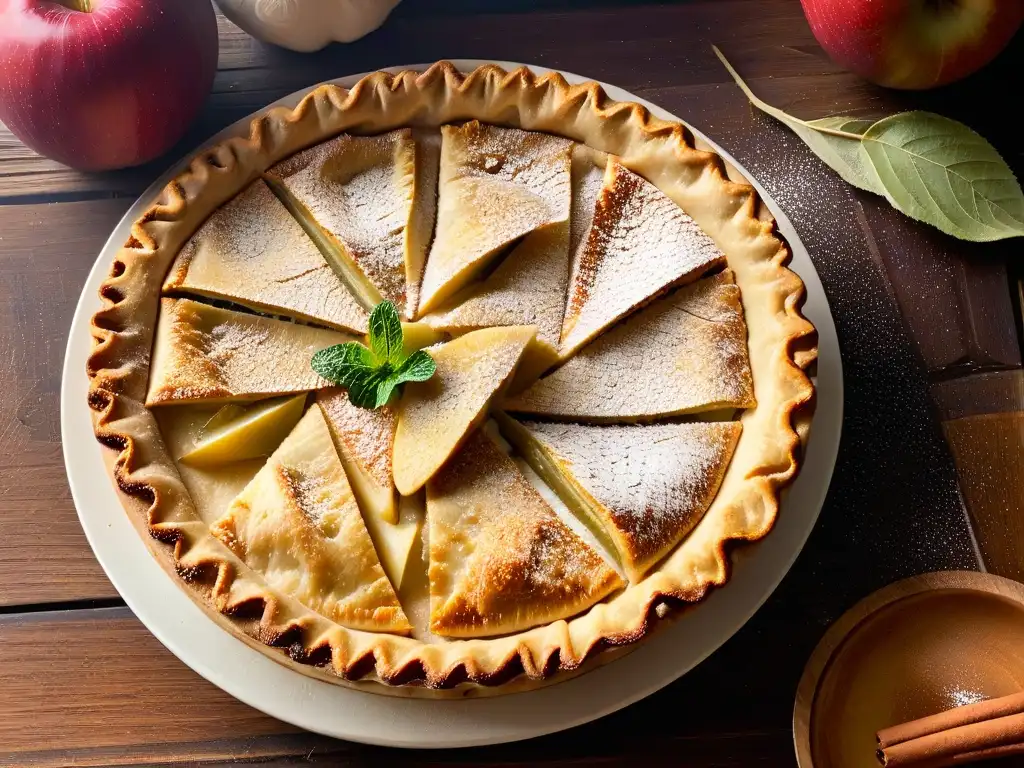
x=929, y=474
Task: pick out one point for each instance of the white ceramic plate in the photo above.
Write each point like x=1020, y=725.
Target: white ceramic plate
x=338, y=711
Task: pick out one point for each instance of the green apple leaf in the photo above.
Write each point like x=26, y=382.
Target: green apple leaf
x=929, y=167
x=841, y=123
x=941, y=172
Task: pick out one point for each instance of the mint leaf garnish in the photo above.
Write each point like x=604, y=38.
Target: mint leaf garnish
x=344, y=363
x=363, y=391
x=372, y=375
x=386, y=334
x=419, y=366
x=385, y=389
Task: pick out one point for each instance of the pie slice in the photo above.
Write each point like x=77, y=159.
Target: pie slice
x=396, y=542
x=500, y=558
x=369, y=203
x=527, y=288
x=639, y=244
x=417, y=336
x=252, y=252
x=236, y=433
x=298, y=525
x=639, y=488
x=205, y=353
x=588, y=170
x=684, y=353
x=365, y=439
x=496, y=185
x=434, y=416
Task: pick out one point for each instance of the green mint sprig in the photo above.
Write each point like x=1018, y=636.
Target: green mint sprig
x=372, y=375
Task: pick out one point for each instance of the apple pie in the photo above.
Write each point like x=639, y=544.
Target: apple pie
x=610, y=384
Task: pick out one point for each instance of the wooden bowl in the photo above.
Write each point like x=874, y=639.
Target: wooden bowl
x=914, y=648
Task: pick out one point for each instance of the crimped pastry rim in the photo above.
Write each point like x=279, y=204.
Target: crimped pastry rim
x=146, y=475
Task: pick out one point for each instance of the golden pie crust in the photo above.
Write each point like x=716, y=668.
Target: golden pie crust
x=545, y=570
x=782, y=344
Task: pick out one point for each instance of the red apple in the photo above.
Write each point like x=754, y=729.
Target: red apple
x=913, y=43
x=100, y=84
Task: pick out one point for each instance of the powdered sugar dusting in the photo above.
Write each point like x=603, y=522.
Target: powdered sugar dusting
x=225, y=342
x=496, y=185
x=654, y=481
x=527, y=288
x=311, y=493
x=367, y=435
x=587, y=181
x=253, y=252
x=684, y=353
x=640, y=242
x=361, y=190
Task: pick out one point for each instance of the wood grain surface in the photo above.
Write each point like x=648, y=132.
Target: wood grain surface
x=118, y=698
x=928, y=328
x=46, y=252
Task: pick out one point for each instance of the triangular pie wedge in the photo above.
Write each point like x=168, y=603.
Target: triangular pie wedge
x=684, y=353
x=237, y=433
x=639, y=487
x=500, y=559
x=527, y=288
x=588, y=172
x=398, y=544
x=209, y=354
x=252, y=252
x=640, y=243
x=417, y=336
x=368, y=201
x=298, y=525
x=436, y=415
x=365, y=440
x=496, y=185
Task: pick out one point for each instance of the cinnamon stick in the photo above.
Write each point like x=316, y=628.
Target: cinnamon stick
x=986, y=729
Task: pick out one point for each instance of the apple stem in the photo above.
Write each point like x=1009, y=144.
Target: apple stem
x=82, y=6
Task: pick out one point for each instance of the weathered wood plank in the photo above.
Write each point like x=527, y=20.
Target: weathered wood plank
x=114, y=694
x=45, y=253
x=967, y=285
x=600, y=43
x=95, y=688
